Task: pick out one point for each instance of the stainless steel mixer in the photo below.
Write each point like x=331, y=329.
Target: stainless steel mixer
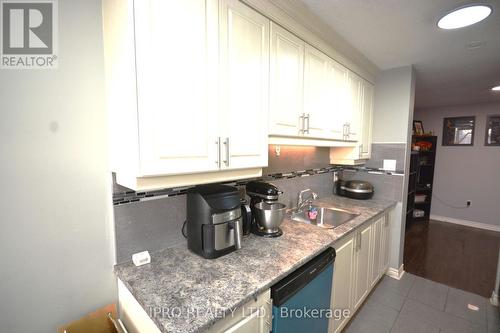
x=267, y=213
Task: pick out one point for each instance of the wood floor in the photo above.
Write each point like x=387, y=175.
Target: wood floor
x=457, y=256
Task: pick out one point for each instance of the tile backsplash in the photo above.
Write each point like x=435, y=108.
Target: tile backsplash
x=388, y=151
x=153, y=220
x=154, y=225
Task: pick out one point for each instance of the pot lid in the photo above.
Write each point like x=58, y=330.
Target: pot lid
x=359, y=185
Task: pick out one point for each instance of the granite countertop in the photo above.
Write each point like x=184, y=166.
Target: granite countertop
x=185, y=293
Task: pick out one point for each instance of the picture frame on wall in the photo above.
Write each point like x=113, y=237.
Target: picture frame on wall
x=418, y=127
x=492, y=134
x=459, y=131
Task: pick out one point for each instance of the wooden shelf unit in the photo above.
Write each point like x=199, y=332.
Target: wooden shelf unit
x=421, y=178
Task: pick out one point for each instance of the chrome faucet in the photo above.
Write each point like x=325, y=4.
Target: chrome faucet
x=305, y=201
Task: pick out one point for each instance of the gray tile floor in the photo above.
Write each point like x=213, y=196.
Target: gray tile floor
x=417, y=305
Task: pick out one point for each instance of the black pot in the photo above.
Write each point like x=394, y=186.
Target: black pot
x=355, y=189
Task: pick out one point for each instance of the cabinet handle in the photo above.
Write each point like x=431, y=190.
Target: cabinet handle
x=360, y=150
x=349, y=133
x=302, y=124
x=359, y=241
x=306, y=117
x=226, y=143
x=217, y=143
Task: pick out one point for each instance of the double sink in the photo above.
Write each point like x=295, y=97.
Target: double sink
x=322, y=216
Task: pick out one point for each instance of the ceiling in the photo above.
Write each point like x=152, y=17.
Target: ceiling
x=396, y=33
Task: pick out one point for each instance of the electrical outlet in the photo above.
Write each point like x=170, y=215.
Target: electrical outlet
x=468, y=203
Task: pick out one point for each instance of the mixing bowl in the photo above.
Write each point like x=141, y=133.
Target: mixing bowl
x=269, y=216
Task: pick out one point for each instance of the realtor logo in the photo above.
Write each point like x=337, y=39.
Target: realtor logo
x=29, y=34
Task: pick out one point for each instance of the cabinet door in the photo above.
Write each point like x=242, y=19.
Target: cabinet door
x=287, y=82
x=343, y=276
x=244, y=59
x=362, y=265
x=251, y=323
x=339, y=100
x=386, y=240
x=252, y=317
x=376, y=251
x=178, y=120
x=317, y=109
x=366, y=122
x=355, y=103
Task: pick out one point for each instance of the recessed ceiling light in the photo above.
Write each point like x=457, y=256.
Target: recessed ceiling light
x=474, y=45
x=464, y=16
x=497, y=88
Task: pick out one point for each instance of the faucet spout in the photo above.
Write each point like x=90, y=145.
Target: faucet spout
x=306, y=200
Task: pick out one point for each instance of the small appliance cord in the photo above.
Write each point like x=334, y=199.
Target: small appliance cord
x=183, y=230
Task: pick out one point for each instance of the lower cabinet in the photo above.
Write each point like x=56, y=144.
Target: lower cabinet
x=343, y=279
x=362, y=265
x=376, y=269
x=362, y=259
x=385, y=242
x=253, y=317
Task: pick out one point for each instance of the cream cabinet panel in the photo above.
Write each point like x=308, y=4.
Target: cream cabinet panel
x=317, y=103
x=252, y=317
x=367, y=120
x=376, y=244
x=244, y=90
x=339, y=101
x=386, y=241
x=359, y=119
x=342, y=282
x=362, y=259
x=178, y=123
x=252, y=323
x=362, y=265
x=355, y=103
x=287, y=82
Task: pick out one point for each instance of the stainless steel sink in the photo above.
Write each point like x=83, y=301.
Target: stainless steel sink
x=327, y=217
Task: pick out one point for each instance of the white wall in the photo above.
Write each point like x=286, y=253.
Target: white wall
x=392, y=119
x=465, y=173
x=55, y=238
x=394, y=100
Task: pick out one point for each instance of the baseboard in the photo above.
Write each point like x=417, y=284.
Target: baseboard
x=466, y=223
x=494, y=298
x=395, y=273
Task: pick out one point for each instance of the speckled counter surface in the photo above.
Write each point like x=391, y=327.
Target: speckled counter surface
x=183, y=292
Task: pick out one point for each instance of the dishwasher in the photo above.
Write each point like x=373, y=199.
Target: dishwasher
x=301, y=301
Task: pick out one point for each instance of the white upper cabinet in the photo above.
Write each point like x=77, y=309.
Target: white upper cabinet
x=359, y=123
x=187, y=91
x=355, y=103
x=244, y=89
x=367, y=120
x=312, y=96
x=287, y=83
x=317, y=99
x=339, y=103
x=178, y=125
x=195, y=87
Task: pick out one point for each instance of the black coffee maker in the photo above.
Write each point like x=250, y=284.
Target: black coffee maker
x=214, y=222
x=262, y=193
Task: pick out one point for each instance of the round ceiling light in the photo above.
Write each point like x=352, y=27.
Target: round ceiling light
x=497, y=88
x=464, y=16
